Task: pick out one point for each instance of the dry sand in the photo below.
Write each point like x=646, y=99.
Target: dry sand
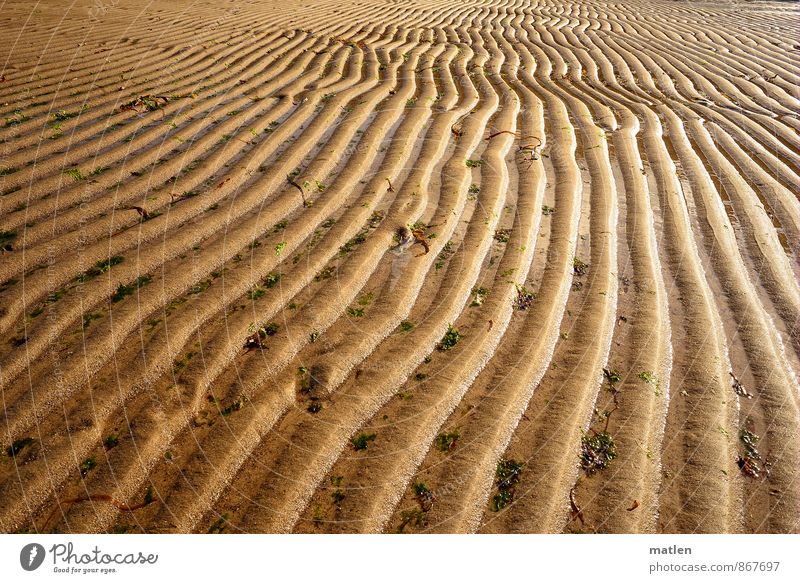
x=602, y=186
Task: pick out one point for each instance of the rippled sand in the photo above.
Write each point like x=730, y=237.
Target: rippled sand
x=211, y=323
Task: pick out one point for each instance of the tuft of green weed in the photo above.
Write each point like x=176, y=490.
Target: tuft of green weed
x=8, y=283
x=17, y=119
x=271, y=328
x=87, y=466
x=271, y=280
x=406, y=326
x=445, y=442
x=360, y=237
x=507, y=473
x=326, y=273
x=18, y=445
x=597, y=451
x=651, y=379
x=506, y=476
x=361, y=440
x=749, y=462
x=450, y=338
x=17, y=341
x=647, y=377
x=612, y=376
x=124, y=291
x=417, y=517
x=62, y=115
x=219, y=525
x=337, y=496
x=524, y=299
x=479, y=295
x=7, y=237
x=502, y=236
x=200, y=287
x=256, y=292
x=375, y=219
x=101, y=267
x=422, y=491
x=473, y=163
x=579, y=267
x=74, y=173
x=502, y=499
x=111, y=442
x=88, y=318
x=236, y=405
x=414, y=517
x=750, y=441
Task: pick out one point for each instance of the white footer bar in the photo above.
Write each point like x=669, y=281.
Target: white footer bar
x=387, y=558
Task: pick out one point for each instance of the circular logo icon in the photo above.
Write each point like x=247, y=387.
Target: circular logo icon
x=31, y=556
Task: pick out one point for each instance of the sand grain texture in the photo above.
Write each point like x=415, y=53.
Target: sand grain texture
x=210, y=322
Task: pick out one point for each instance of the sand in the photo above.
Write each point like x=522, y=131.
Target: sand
x=210, y=322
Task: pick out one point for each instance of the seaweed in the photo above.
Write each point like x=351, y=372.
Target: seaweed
x=145, y=103
x=100, y=268
x=445, y=442
x=524, y=299
x=17, y=446
x=597, y=451
x=450, y=339
x=361, y=440
x=124, y=291
x=749, y=463
x=506, y=477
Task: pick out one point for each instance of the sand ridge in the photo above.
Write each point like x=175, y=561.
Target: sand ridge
x=206, y=313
